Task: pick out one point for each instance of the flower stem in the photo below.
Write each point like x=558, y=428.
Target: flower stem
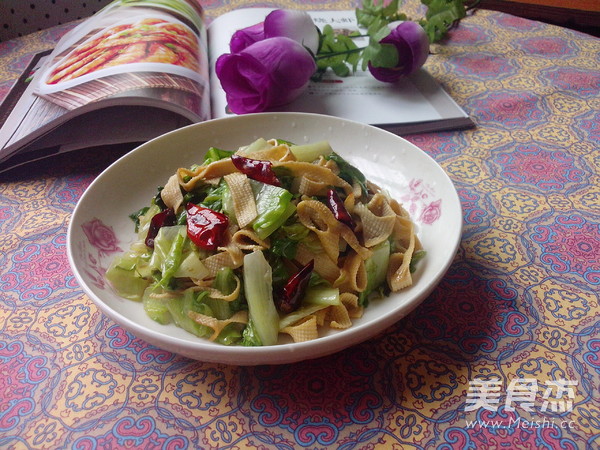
x=320, y=56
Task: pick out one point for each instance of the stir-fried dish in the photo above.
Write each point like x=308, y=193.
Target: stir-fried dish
x=148, y=41
x=272, y=238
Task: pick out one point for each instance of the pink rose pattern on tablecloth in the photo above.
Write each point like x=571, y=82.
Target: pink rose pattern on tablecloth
x=70, y=377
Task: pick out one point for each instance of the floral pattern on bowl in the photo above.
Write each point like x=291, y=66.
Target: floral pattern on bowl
x=421, y=203
x=101, y=246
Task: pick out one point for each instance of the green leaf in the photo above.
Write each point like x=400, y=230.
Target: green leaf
x=374, y=11
x=441, y=15
x=250, y=337
x=214, y=196
x=417, y=256
x=285, y=248
x=369, y=53
x=258, y=288
x=273, y=205
x=376, y=268
x=173, y=256
x=341, y=69
x=348, y=172
x=215, y=154
x=338, y=52
x=386, y=56
x=180, y=306
x=379, y=31
x=135, y=216
x=230, y=335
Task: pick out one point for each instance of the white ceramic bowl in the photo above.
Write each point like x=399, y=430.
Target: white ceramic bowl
x=100, y=226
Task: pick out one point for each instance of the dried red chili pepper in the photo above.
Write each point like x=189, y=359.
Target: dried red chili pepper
x=205, y=227
x=335, y=204
x=256, y=169
x=164, y=218
x=294, y=289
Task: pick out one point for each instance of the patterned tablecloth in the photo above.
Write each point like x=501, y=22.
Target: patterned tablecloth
x=505, y=353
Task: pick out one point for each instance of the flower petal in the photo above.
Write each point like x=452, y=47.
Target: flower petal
x=246, y=37
x=416, y=38
x=243, y=81
x=296, y=25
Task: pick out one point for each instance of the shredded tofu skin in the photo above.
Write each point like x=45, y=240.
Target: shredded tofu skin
x=299, y=205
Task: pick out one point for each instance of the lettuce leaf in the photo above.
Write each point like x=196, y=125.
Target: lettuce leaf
x=274, y=207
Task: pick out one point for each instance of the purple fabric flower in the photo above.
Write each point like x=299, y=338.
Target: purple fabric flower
x=412, y=44
x=296, y=25
x=268, y=73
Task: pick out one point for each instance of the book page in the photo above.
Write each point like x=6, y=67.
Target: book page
x=359, y=97
x=151, y=53
x=386, y=103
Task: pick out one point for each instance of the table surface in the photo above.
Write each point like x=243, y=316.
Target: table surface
x=504, y=353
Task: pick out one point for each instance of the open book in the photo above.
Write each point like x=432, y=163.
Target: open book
x=140, y=68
